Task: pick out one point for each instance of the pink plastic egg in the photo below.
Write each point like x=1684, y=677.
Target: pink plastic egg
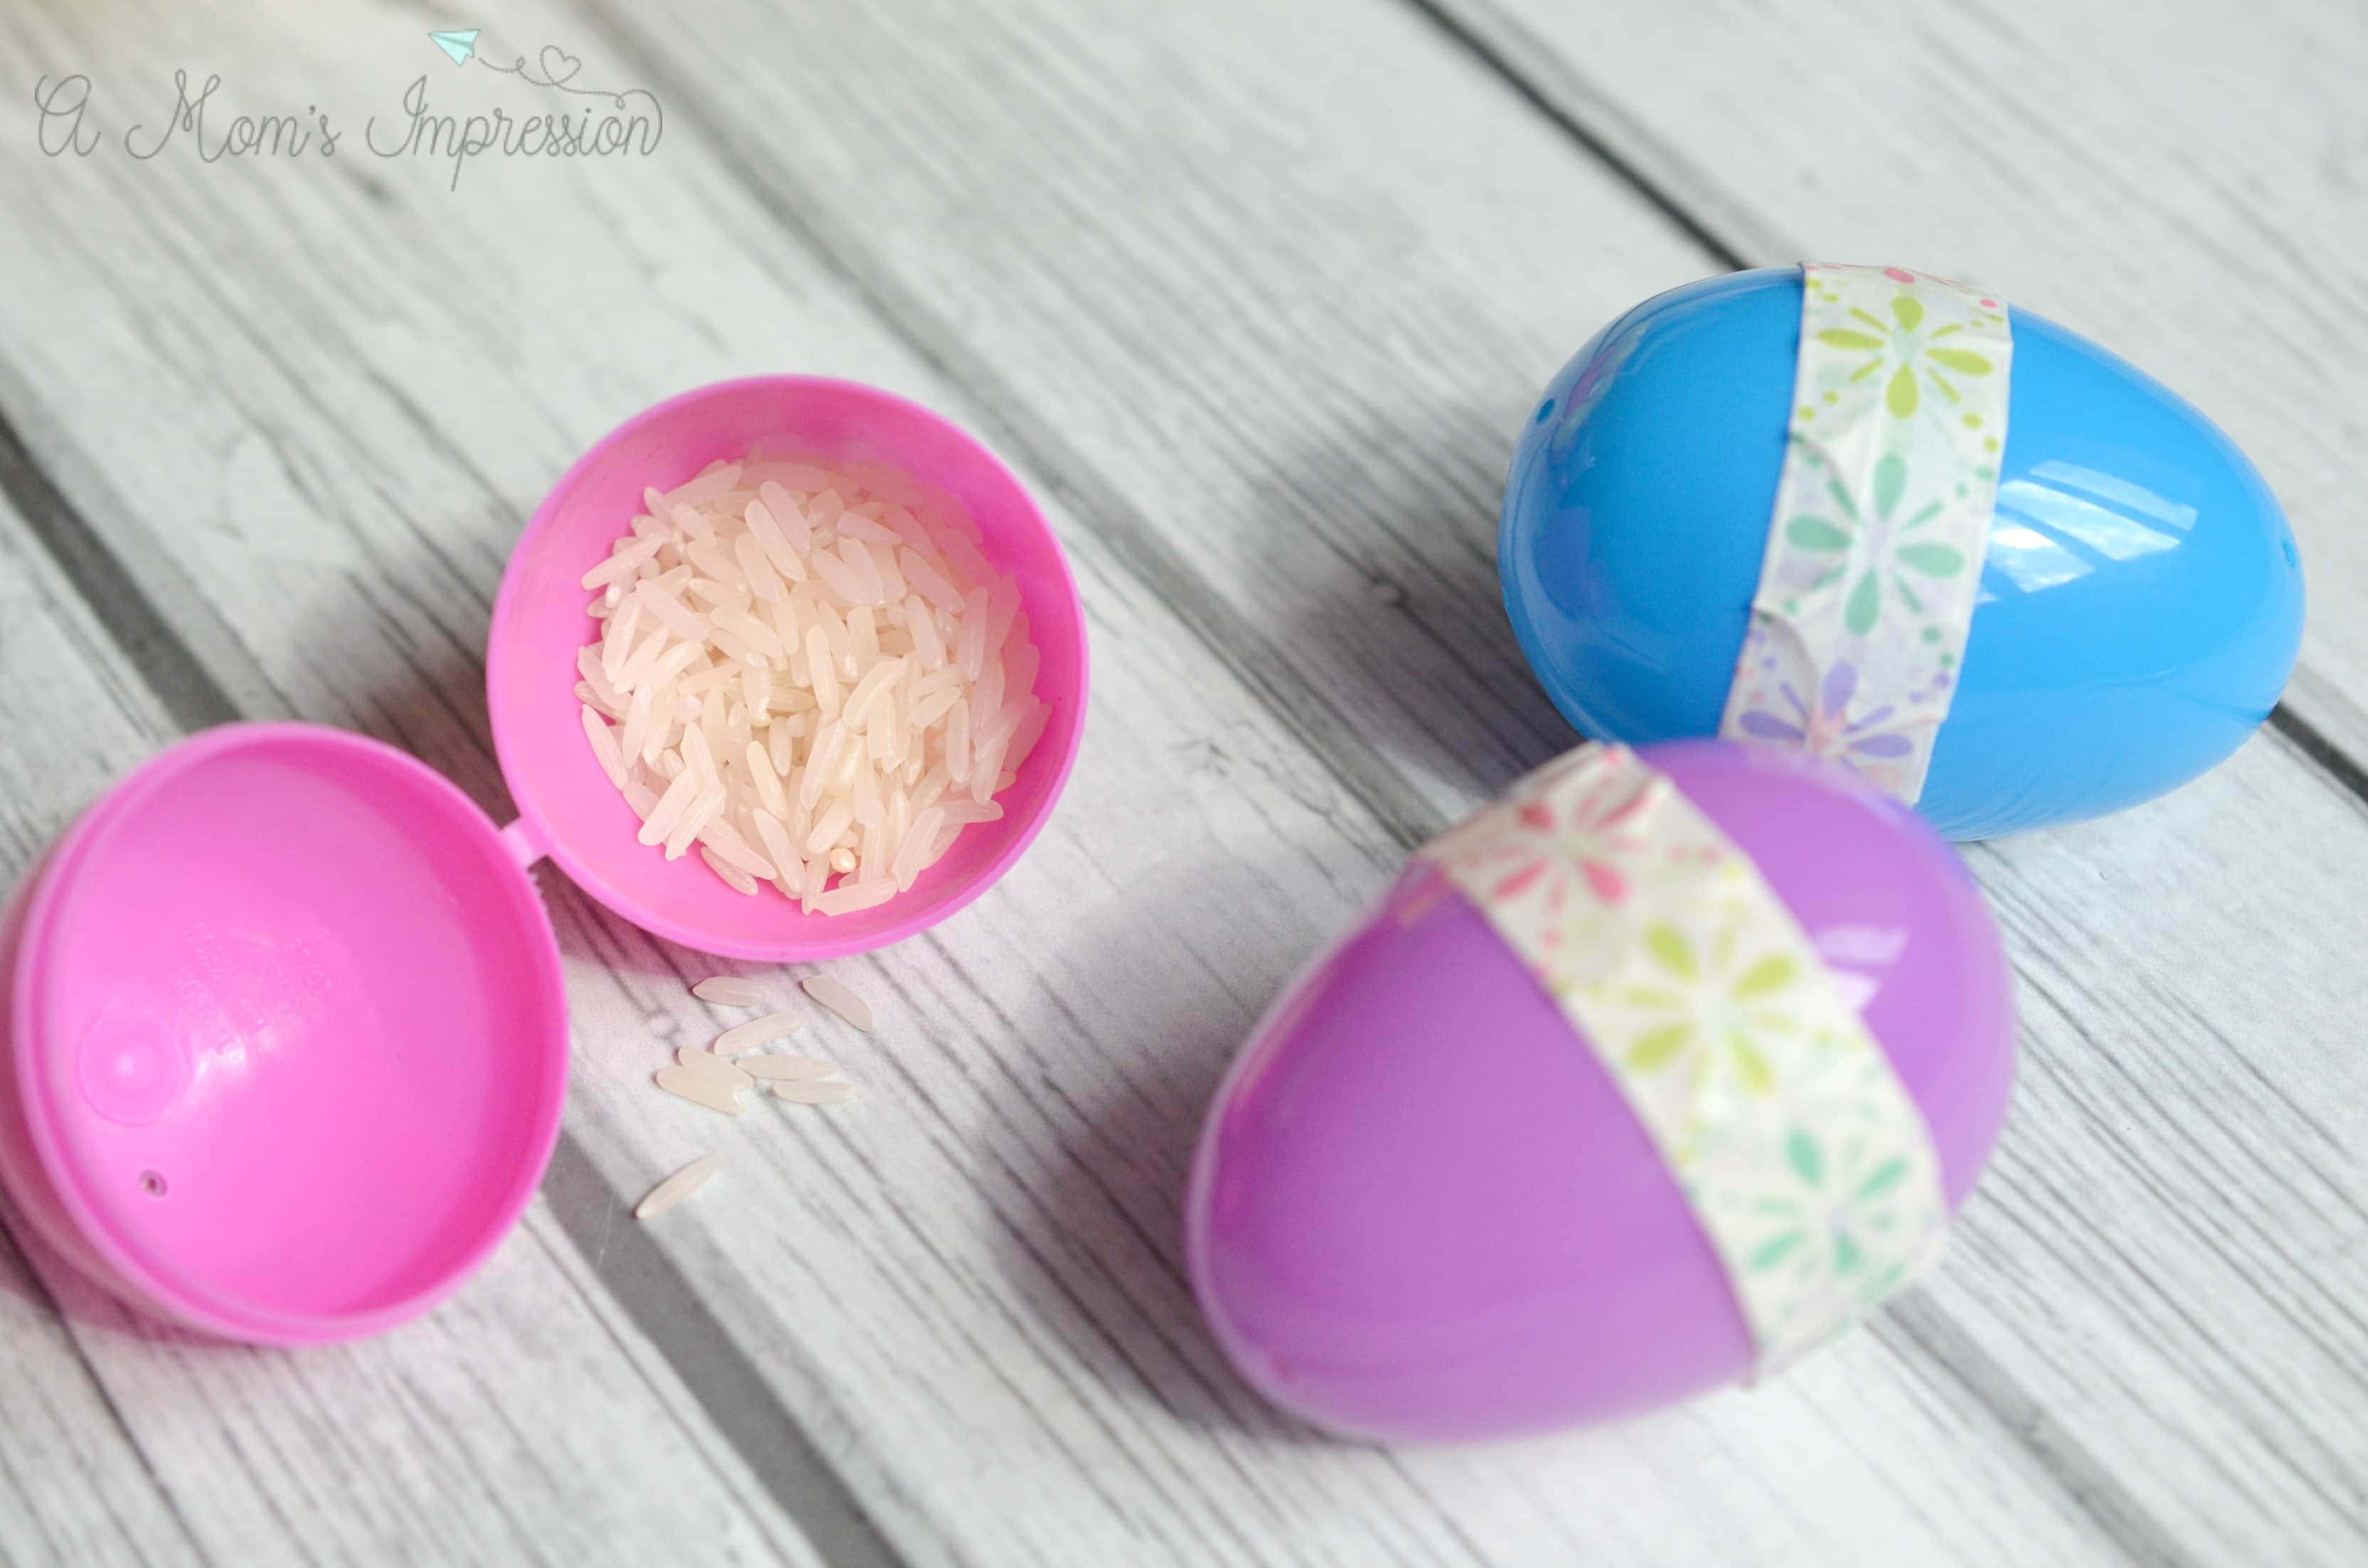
x=568, y=809
x=283, y=1040
x=1422, y=1208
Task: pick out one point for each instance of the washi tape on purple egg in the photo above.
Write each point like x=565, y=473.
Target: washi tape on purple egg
x=1649, y=1077
x=1889, y=520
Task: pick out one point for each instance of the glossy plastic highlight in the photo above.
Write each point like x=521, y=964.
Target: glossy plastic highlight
x=1421, y=1209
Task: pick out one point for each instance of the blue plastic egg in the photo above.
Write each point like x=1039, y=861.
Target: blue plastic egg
x=2140, y=603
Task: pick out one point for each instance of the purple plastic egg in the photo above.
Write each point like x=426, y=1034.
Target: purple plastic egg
x=1421, y=1208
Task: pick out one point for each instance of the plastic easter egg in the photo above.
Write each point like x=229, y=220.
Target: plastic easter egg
x=1423, y=1209
x=2139, y=602
x=283, y=1037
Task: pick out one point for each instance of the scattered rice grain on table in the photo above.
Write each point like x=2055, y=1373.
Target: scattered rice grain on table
x=676, y=1187
x=699, y=1059
x=706, y=1077
x=756, y=1032
x=780, y=1067
x=729, y=991
x=809, y=1091
x=813, y=677
x=835, y=995
x=700, y=1088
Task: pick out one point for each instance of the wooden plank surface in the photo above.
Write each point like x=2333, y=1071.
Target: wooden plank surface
x=1019, y=1374
x=1256, y=309
x=76, y=1486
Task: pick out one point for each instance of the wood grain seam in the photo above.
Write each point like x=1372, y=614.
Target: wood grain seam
x=49, y=1300
x=1487, y=53
x=123, y=609
x=659, y=1298
x=1920, y=1330
x=2336, y=766
x=663, y=1398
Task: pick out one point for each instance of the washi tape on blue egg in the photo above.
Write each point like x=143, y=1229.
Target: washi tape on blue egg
x=1887, y=519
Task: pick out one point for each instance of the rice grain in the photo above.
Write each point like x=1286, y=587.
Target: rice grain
x=736, y=878
x=699, y=1088
x=729, y=991
x=835, y=995
x=757, y=1032
x=811, y=1091
x=676, y=1187
x=810, y=672
x=604, y=747
x=775, y=1069
x=852, y=896
x=702, y=1061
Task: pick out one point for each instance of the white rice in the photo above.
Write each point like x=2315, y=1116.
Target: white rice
x=700, y=1087
x=729, y=991
x=739, y=880
x=856, y=895
x=709, y=1076
x=836, y=996
x=702, y=1061
x=676, y=1187
x=604, y=747
x=676, y=798
x=780, y=1067
x=792, y=669
x=809, y=1091
x=812, y=1093
x=754, y=1033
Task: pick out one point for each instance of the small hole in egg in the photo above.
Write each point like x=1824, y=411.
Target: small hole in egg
x=152, y=1184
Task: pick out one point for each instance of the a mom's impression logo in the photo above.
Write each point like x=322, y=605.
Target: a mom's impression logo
x=561, y=115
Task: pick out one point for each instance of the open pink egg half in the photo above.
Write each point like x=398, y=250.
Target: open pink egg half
x=286, y=1037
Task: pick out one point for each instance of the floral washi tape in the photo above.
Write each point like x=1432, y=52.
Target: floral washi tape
x=1882, y=515
x=1801, y=1157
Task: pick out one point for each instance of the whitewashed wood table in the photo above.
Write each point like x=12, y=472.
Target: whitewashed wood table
x=1254, y=297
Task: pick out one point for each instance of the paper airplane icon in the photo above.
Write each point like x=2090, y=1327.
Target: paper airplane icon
x=459, y=45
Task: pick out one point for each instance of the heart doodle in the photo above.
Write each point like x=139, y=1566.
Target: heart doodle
x=558, y=66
